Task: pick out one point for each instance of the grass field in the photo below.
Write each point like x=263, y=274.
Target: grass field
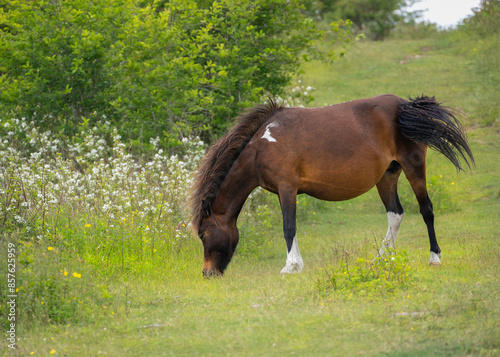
x=252, y=310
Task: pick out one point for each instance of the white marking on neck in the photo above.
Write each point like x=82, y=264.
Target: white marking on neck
x=392, y=232
x=267, y=133
x=294, y=262
x=435, y=259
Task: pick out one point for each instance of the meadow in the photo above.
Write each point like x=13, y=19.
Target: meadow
x=107, y=263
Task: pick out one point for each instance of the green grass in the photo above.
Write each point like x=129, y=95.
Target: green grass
x=255, y=311
x=252, y=310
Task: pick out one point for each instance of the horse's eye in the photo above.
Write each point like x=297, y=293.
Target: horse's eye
x=200, y=235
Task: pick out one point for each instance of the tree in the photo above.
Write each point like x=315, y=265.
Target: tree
x=375, y=18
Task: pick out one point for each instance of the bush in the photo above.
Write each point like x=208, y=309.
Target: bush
x=374, y=18
x=54, y=59
x=388, y=274
x=174, y=68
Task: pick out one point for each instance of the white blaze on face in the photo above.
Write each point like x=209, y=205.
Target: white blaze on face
x=294, y=262
x=267, y=133
x=394, y=220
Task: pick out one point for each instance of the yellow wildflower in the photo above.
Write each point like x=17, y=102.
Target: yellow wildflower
x=49, y=248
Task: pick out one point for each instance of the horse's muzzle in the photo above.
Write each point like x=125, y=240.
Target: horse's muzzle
x=212, y=273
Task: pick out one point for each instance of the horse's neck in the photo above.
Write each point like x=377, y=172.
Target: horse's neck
x=234, y=190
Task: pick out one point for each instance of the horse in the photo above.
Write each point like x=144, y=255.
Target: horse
x=332, y=153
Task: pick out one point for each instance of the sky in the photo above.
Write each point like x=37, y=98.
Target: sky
x=446, y=13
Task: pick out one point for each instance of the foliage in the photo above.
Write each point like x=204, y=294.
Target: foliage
x=174, y=68
x=375, y=18
x=367, y=277
x=54, y=58
x=485, y=20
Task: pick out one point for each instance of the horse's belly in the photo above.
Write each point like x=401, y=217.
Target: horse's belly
x=338, y=181
x=336, y=190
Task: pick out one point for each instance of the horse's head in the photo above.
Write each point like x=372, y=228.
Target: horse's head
x=219, y=243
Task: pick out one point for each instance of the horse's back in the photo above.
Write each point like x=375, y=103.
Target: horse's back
x=334, y=153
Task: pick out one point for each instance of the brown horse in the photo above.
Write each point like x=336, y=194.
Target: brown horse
x=333, y=153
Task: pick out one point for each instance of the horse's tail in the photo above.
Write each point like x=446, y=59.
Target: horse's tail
x=424, y=120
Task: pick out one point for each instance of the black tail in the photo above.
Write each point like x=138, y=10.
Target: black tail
x=424, y=120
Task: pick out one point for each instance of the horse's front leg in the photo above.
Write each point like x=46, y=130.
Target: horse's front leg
x=294, y=262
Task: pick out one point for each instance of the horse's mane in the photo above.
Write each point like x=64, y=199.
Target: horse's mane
x=221, y=156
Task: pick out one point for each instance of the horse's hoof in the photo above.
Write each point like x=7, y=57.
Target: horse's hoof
x=292, y=269
x=435, y=259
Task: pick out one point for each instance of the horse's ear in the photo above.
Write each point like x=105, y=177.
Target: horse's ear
x=206, y=208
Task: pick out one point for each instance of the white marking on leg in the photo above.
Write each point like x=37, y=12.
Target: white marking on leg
x=394, y=220
x=435, y=259
x=267, y=133
x=294, y=262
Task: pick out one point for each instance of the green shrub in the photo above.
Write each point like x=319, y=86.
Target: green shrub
x=177, y=68
x=387, y=274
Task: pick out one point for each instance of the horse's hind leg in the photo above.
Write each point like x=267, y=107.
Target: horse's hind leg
x=388, y=190
x=294, y=262
x=414, y=170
